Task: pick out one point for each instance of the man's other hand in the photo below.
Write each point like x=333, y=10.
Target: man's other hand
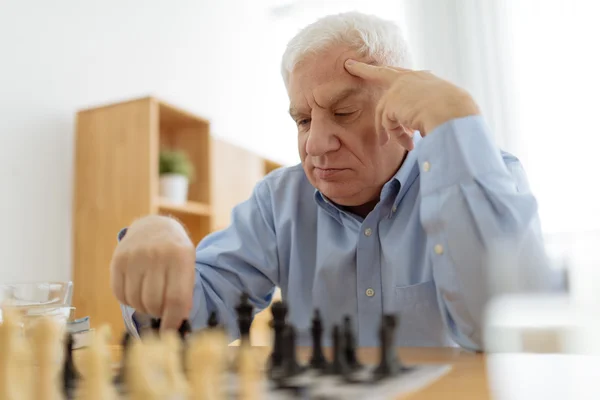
x=153, y=270
x=413, y=100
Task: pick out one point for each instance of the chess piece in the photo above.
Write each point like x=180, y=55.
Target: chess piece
x=389, y=365
x=185, y=329
x=155, y=324
x=249, y=374
x=125, y=344
x=317, y=360
x=213, y=321
x=244, y=312
x=207, y=361
x=278, y=323
x=140, y=370
x=96, y=367
x=290, y=364
x=13, y=357
x=350, y=344
x=338, y=366
x=69, y=372
x=23, y=366
x=176, y=381
x=47, y=344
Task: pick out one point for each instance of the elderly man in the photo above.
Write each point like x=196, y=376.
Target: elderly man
x=398, y=199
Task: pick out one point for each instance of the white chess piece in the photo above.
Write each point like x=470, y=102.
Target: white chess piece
x=207, y=362
x=47, y=346
x=96, y=368
x=249, y=374
x=176, y=382
x=143, y=377
x=15, y=362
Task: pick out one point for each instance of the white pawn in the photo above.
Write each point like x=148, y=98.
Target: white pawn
x=206, y=359
x=96, y=369
x=176, y=383
x=142, y=376
x=249, y=374
x=15, y=359
x=47, y=346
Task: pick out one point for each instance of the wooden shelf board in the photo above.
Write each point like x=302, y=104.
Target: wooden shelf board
x=191, y=207
x=172, y=116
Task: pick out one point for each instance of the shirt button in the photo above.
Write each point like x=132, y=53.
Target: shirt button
x=368, y=232
x=370, y=292
x=438, y=249
x=394, y=209
x=426, y=166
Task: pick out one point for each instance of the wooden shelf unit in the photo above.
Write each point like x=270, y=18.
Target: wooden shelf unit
x=116, y=181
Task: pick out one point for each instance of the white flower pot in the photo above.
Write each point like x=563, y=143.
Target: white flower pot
x=174, y=188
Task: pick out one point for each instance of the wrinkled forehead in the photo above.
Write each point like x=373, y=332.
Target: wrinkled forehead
x=321, y=74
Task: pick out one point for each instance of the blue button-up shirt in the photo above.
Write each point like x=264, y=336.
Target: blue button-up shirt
x=419, y=254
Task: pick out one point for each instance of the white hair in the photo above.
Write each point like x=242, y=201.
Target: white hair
x=368, y=35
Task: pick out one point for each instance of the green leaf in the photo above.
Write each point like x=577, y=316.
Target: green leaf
x=175, y=162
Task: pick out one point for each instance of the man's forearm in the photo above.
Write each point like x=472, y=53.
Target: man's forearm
x=471, y=204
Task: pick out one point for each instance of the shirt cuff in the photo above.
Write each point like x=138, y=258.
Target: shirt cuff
x=132, y=326
x=458, y=150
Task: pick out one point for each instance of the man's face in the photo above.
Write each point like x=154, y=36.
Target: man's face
x=337, y=140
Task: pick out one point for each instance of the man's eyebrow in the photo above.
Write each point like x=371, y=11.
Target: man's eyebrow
x=294, y=113
x=344, y=94
x=338, y=97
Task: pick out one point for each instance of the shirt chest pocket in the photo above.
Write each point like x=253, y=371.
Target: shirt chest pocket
x=420, y=320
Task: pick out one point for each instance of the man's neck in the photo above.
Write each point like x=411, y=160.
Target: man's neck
x=364, y=209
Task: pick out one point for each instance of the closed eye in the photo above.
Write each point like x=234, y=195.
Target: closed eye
x=344, y=114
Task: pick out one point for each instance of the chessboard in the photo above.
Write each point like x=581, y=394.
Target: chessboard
x=182, y=364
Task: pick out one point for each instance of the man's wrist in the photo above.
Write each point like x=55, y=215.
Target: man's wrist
x=459, y=106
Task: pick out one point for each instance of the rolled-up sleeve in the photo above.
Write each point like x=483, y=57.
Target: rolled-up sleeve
x=475, y=198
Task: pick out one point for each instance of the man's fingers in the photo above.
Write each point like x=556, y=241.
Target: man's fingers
x=178, y=297
x=153, y=287
x=132, y=291
x=374, y=73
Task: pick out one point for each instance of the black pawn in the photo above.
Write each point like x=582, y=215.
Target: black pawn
x=290, y=363
x=185, y=329
x=350, y=344
x=317, y=360
x=338, y=366
x=213, y=321
x=70, y=374
x=244, y=312
x=155, y=324
x=389, y=365
x=279, y=311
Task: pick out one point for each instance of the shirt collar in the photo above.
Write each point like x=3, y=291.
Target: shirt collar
x=397, y=185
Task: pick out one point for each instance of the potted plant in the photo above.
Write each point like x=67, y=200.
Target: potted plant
x=176, y=171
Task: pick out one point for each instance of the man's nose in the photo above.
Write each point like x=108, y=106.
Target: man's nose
x=322, y=139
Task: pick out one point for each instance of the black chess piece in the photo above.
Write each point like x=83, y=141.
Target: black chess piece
x=290, y=365
x=389, y=364
x=350, y=344
x=213, y=321
x=317, y=360
x=70, y=374
x=184, y=329
x=155, y=324
x=278, y=323
x=338, y=366
x=244, y=311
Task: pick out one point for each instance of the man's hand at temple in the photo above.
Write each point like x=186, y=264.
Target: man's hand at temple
x=414, y=100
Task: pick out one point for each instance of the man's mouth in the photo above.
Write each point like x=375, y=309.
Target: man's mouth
x=325, y=173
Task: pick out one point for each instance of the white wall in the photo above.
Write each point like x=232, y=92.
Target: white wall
x=59, y=56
